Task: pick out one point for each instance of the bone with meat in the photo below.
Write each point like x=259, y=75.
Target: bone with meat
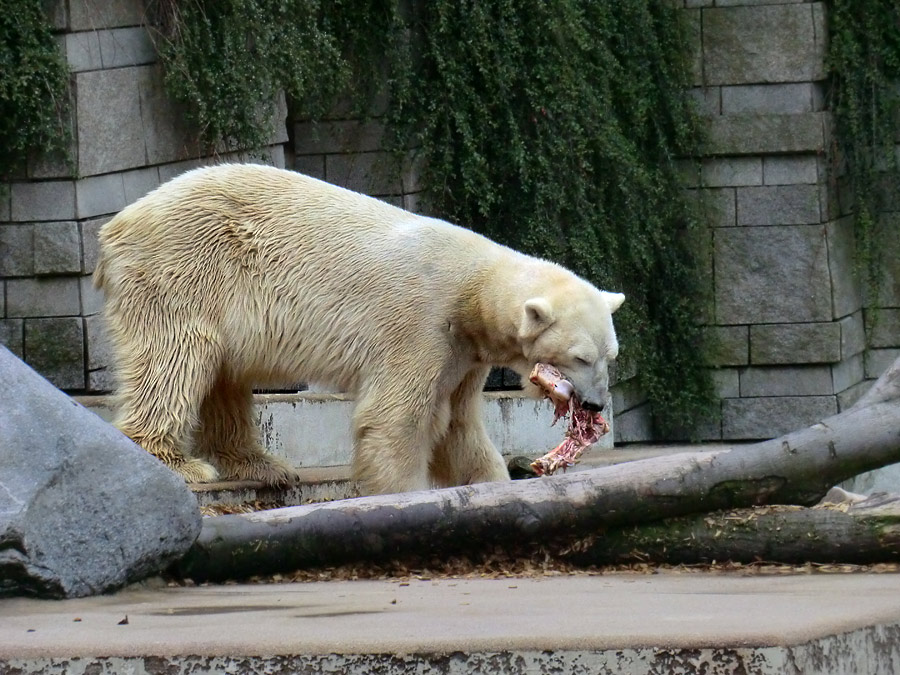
x=585, y=427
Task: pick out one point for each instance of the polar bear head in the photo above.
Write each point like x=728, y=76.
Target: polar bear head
x=570, y=327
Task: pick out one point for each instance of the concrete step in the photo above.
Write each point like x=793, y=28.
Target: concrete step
x=312, y=430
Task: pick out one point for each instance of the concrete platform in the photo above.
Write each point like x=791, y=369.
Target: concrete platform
x=618, y=623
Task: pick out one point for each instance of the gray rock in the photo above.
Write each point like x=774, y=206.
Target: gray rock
x=83, y=510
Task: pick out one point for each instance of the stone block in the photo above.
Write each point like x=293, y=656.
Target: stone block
x=83, y=51
x=121, y=47
x=633, y=426
x=884, y=328
x=168, y=136
x=795, y=343
x=769, y=417
x=417, y=203
x=169, y=171
x=110, y=132
x=57, y=248
x=101, y=381
x=879, y=360
x=100, y=195
x=4, y=206
x=727, y=382
x=92, y=15
x=732, y=171
x=853, y=335
x=42, y=296
x=847, y=296
x=754, y=3
x=762, y=44
x=627, y=394
x=730, y=345
x=786, y=381
x=99, y=349
x=790, y=170
x=708, y=100
x=777, y=99
x=90, y=245
x=91, y=298
x=848, y=373
x=772, y=275
x=371, y=173
x=693, y=35
x=57, y=12
x=758, y=134
x=139, y=182
x=310, y=165
x=850, y=396
x=889, y=245
x=338, y=136
x=778, y=205
x=12, y=335
x=412, y=171
x=42, y=200
x=16, y=250
x=55, y=349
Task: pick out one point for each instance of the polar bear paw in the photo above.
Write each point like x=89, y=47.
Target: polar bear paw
x=259, y=467
x=195, y=470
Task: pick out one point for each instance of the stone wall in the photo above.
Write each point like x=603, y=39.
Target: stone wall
x=788, y=316
x=128, y=138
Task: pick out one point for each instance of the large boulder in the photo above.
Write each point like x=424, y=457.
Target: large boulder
x=83, y=510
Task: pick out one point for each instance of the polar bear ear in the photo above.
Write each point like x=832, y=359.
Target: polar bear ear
x=538, y=315
x=613, y=300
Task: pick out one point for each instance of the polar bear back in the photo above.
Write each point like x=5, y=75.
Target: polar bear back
x=294, y=276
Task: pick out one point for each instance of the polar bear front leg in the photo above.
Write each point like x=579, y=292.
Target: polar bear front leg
x=465, y=454
x=394, y=433
x=229, y=439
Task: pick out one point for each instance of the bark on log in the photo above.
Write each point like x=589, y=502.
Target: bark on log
x=863, y=533
x=797, y=468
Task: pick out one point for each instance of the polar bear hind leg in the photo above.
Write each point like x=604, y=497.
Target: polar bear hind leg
x=228, y=437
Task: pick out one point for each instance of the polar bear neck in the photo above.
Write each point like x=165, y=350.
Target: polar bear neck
x=492, y=305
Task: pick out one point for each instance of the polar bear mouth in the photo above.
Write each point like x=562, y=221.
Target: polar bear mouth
x=585, y=426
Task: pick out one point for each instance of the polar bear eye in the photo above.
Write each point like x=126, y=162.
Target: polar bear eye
x=581, y=361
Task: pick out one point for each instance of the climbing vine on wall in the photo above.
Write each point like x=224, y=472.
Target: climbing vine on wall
x=33, y=86
x=553, y=127
x=864, y=63
x=556, y=128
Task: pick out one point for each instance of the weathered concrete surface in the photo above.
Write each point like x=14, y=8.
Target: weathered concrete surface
x=312, y=429
x=627, y=623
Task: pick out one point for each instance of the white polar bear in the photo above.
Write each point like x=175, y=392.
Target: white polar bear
x=240, y=275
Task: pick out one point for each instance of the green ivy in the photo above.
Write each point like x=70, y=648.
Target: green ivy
x=864, y=97
x=227, y=61
x=34, y=81
x=553, y=127
x=557, y=128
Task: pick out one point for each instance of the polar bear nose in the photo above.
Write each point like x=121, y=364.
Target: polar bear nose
x=592, y=407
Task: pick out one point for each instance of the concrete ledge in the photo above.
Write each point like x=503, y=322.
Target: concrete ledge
x=312, y=430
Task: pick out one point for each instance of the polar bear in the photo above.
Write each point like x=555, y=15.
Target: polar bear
x=239, y=275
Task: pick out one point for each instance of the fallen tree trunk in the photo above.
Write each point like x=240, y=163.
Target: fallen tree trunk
x=794, y=469
x=862, y=533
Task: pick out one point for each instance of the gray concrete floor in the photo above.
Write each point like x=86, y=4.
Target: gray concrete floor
x=668, y=610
